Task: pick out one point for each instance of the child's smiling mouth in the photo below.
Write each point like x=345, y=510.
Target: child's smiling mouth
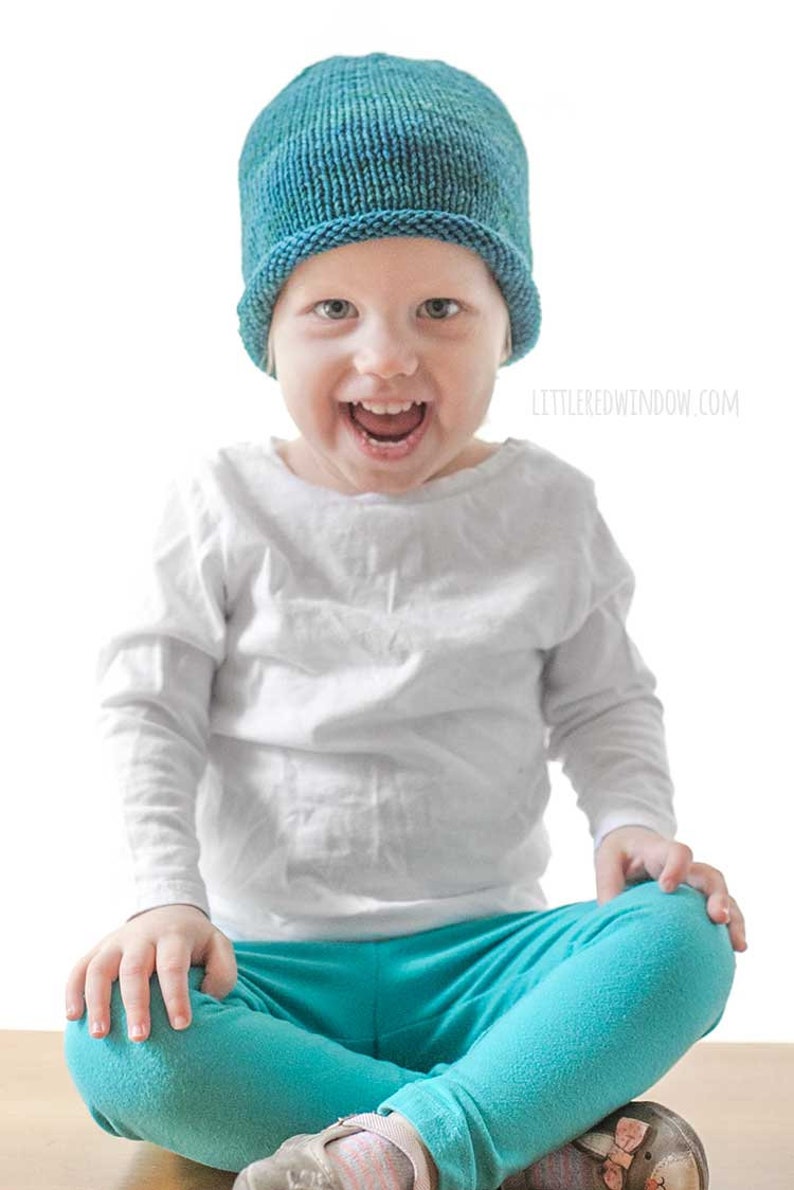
x=381, y=426
x=386, y=436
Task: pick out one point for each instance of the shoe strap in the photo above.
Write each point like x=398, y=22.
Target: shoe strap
x=407, y=1142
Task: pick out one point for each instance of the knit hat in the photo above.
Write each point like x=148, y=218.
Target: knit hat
x=357, y=148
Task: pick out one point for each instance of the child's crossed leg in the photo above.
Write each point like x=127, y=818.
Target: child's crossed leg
x=499, y=1039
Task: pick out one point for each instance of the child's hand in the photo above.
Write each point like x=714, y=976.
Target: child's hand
x=170, y=938
x=632, y=854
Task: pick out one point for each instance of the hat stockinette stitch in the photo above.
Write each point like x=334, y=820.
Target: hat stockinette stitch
x=357, y=148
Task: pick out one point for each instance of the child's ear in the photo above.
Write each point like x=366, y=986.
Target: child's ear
x=508, y=348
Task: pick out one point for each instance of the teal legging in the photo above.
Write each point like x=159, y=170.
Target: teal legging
x=500, y=1038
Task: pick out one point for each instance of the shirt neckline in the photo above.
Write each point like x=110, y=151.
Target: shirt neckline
x=432, y=489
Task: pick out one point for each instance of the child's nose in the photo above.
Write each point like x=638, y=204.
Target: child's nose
x=386, y=349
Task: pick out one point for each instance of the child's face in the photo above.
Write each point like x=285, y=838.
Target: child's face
x=391, y=320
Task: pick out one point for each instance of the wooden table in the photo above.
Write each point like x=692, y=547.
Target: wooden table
x=739, y=1098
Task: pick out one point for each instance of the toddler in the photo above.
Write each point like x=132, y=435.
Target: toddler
x=330, y=709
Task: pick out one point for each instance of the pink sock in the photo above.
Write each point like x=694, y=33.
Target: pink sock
x=388, y=1155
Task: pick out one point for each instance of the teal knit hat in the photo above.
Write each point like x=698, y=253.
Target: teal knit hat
x=357, y=148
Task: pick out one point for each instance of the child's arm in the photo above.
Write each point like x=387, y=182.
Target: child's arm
x=599, y=703
x=606, y=726
x=155, y=676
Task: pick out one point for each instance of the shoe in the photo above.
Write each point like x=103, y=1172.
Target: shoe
x=646, y=1146
x=298, y=1164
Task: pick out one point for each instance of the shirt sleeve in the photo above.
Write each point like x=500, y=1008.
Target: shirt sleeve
x=154, y=673
x=605, y=723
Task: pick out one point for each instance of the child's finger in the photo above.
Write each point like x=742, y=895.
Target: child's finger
x=173, y=961
x=718, y=908
x=676, y=867
x=724, y=911
x=75, y=990
x=134, y=974
x=728, y=913
x=220, y=973
x=99, y=977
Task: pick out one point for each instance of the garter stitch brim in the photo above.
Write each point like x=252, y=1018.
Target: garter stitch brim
x=357, y=148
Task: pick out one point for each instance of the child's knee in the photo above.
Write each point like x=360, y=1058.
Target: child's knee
x=124, y=1082
x=683, y=917
x=695, y=953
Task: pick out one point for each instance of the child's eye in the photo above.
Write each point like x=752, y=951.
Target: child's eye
x=435, y=303
x=336, y=302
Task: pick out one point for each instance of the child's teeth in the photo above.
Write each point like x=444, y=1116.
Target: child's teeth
x=378, y=408
x=380, y=442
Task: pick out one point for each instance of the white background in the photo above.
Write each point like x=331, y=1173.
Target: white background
x=660, y=210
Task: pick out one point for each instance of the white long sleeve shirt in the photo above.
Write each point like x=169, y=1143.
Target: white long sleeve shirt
x=330, y=715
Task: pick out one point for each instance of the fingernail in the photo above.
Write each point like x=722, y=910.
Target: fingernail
x=137, y=1031
x=97, y=1028
x=180, y=1022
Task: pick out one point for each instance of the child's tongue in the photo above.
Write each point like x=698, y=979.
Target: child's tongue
x=394, y=425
